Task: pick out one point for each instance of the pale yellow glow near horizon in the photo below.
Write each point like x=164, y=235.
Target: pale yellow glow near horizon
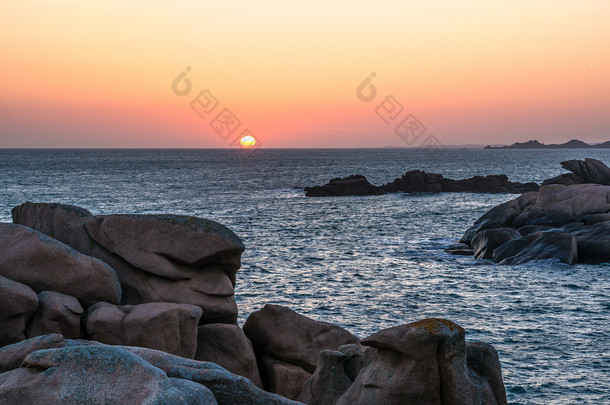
x=99, y=74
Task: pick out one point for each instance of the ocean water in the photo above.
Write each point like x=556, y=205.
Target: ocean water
x=364, y=263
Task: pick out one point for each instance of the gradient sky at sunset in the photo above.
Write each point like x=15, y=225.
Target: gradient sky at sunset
x=99, y=74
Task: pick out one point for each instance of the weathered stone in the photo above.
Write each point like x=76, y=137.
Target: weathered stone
x=45, y=264
x=229, y=389
x=593, y=243
x=329, y=381
x=158, y=258
x=17, y=304
x=483, y=359
x=424, y=362
x=583, y=171
x=169, y=327
x=282, y=378
x=558, y=205
x=56, y=313
x=293, y=338
x=228, y=346
x=502, y=215
x=513, y=247
x=95, y=375
x=485, y=242
x=12, y=356
x=549, y=246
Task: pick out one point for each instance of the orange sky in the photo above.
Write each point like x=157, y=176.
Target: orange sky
x=99, y=74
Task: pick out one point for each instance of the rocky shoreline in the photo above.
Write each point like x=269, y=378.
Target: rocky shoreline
x=131, y=309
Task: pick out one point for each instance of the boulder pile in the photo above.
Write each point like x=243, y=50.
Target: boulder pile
x=569, y=223
x=140, y=309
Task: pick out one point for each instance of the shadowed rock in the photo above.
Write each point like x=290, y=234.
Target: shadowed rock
x=288, y=344
x=418, y=181
x=56, y=313
x=560, y=246
x=45, y=264
x=485, y=242
x=282, y=378
x=169, y=327
x=158, y=258
x=335, y=373
x=352, y=185
x=17, y=304
x=228, y=346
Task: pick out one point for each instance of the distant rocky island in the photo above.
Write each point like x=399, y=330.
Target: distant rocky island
x=573, y=144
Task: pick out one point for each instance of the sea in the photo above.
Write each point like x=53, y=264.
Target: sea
x=364, y=263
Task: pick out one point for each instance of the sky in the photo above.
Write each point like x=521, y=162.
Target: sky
x=202, y=74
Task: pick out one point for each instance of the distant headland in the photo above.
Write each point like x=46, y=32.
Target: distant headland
x=573, y=144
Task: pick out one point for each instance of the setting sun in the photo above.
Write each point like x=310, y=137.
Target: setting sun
x=247, y=141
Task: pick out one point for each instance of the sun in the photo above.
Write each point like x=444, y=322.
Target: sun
x=247, y=141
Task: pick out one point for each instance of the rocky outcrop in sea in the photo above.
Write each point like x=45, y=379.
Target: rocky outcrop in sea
x=418, y=181
x=567, y=220
x=140, y=309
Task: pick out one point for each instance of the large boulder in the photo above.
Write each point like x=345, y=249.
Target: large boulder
x=95, y=375
x=583, y=171
x=288, y=344
x=352, y=185
x=228, y=346
x=485, y=242
x=169, y=327
x=425, y=362
x=56, y=313
x=45, y=264
x=558, y=205
x=17, y=304
x=158, y=258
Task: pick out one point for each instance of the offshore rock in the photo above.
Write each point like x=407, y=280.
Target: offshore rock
x=418, y=181
x=583, y=171
x=352, y=185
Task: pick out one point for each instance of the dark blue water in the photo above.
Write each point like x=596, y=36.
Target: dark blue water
x=364, y=263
